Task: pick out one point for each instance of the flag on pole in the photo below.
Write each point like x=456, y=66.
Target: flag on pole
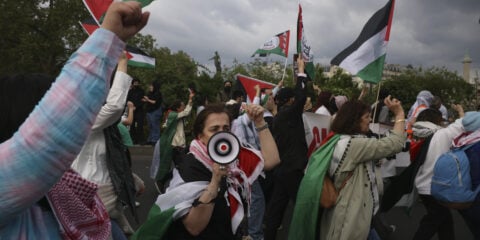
x=136, y=57
x=365, y=57
x=249, y=83
x=303, y=47
x=89, y=25
x=98, y=8
x=276, y=45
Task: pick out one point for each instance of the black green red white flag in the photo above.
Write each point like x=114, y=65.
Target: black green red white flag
x=98, y=8
x=365, y=57
x=278, y=44
x=89, y=25
x=136, y=57
x=248, y=85
x=303, y=47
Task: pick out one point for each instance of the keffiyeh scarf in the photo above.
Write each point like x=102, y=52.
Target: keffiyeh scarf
x=78, y=209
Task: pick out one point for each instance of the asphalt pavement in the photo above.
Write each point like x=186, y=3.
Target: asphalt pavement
x=405, y=223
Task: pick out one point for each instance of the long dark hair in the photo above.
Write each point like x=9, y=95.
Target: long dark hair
x=347, y=120
x=19, y=95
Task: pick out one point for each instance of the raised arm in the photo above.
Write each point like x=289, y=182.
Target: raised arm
x=300, y=89
x=188, y=107
x=268, y=146
x=45, y=145
x=112, y=110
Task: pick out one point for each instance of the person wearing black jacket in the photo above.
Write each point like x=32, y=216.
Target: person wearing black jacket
x=289, y=134
x=135, y=95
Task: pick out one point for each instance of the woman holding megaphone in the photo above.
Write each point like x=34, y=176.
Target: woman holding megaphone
x=210, y=190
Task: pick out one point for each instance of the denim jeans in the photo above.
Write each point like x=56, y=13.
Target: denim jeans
x=154, y=119
x=257, y=209
x=117, y=233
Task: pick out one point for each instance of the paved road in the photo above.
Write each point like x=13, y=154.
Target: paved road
x=405, y=225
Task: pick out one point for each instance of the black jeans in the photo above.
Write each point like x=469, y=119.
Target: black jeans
x=437, y=220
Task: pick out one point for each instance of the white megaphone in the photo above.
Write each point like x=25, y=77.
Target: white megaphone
x=223, y=147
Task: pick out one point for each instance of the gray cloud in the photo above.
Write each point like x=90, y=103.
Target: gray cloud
x=424, y=33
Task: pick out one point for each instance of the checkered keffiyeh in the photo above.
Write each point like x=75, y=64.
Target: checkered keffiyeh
x=78, y=209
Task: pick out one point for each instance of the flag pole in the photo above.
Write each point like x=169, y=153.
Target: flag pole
x=376, y=102
x=284, y=68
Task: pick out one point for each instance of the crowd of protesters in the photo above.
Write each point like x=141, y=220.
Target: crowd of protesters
x=66, y=169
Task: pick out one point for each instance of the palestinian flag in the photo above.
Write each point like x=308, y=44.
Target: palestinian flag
x=98, y=8
x=89, y=25
x=366, y=56
x=276, y=45
x=305, y=214
x=303, y=47
x=248, y=85
x=169, y=206
x=138, y=58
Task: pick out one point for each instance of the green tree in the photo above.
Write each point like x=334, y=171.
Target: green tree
x=439, y=81
x=39, y=35
x=260, y=69
x=340, y=84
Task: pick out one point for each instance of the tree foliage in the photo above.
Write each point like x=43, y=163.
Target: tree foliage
x=39, y=35
x=450, y=87
x=265, y=70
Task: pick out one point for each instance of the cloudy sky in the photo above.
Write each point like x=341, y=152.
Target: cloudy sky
x=424, y=32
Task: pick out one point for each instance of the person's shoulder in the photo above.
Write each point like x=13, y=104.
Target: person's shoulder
x=191, y=169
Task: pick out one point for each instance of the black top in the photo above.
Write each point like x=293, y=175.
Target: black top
x=220, y=226
x=157, y=97
x=135, y=95
x=289, y=132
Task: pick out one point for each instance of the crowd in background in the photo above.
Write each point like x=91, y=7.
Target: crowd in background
x=65, y=169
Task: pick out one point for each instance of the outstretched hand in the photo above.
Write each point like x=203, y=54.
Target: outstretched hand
x=125, y=19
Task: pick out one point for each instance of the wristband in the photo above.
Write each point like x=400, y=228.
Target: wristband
x=259, y=129
x=400, y=120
